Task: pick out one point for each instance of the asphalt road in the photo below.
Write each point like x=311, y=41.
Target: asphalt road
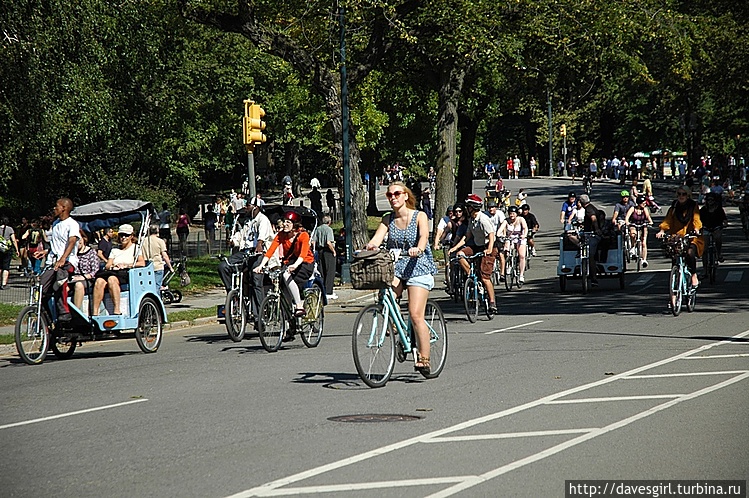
x=558, y=386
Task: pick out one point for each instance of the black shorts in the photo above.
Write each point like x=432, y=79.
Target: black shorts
x=122, y=275
x=303, y=273
x=5, y=260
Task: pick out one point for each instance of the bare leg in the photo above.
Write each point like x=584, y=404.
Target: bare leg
x=99, y=286
x=417, y=299
x=114, y=291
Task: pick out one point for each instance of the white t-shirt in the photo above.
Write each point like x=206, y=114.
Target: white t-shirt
x=62, y=230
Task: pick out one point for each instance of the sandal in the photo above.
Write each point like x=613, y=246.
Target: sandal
x=422, y=366
x=300, y=312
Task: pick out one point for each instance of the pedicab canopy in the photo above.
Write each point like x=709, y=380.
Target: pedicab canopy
x=106, y=214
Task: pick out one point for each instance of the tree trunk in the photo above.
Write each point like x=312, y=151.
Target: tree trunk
x=451, y=86
x=468, y=131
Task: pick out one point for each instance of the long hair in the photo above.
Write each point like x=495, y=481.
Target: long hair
x=411, y=201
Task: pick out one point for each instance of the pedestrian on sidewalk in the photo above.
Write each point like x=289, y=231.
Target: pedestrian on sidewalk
x=8, y=243
x=326, y=254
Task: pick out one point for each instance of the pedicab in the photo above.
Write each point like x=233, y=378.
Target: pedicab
x=143, y=314
x=574, y=261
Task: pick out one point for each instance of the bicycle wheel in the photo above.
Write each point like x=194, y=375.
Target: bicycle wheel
x=62, y=346
x=373, y=345
x=272, y=323
x=32, y=344
x=508, y=271
x=639, y=255
x=236, y=318
x=675, y=293
x=712, y=265
x=314, y=321
x=691, y=300
x=584, y=274
x=437, y=338
x=470, y=299
x=483, y=299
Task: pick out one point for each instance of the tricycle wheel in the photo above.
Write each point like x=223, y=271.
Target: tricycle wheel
x=149, y=331
x=177, y=296
x=32, y=335
x=622, y=282
x=63, y=347
x=562, y=283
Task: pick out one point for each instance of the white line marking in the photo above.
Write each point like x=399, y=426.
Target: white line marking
x=685, y=374
x=585, y=437
x=70, y=414
x=513, y=327
x=734, y=276
x=263, y=489
x=333, y=488
x=646, y=287
x=710, y=357
x=508, y=435
x=643, y=279
x=613, y=398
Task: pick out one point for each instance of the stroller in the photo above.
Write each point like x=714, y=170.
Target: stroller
x=168, y=295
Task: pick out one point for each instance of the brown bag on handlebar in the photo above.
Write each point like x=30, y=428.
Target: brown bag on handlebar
x=372, y=270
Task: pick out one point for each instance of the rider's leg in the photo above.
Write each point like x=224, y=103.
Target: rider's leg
x=691, y=260
x=718, y=237
x=256, y=288
x=632, y=238
x=463, y=262
x=522, y=250
x=98, y=296
x=114, y=290
x=417, y=299
x=486, y=276
x=644, y=244
x=288, y=278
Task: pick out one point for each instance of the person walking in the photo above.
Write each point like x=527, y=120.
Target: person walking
x=8, y=243
x=209, y=220
x=183, y=230
x=326, y=254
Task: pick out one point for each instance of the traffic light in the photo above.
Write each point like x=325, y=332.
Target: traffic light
x=253, y=124
x=563, y=130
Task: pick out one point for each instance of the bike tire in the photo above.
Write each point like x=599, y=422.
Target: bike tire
x=150, y=331
x=313, y=322
x=470, y=299
x=484, y=298
x=63, y=347
x=563, y=283
x=691, y=300
x=437, y=325
x=712, y=265
x=675, y=290
x=584, y=274
x=639, y=255
x=236, y=318
x=32, y=346
x=508, y=272
x=373, y=346
x=272, y=323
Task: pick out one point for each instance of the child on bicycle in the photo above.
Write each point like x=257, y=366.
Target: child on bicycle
x=408, y=239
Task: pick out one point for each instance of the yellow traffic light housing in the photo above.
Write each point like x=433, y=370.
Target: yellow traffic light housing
x=253, y=124
x=563, y=130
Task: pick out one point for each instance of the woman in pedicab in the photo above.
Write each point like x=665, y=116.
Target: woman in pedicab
x=116, y=271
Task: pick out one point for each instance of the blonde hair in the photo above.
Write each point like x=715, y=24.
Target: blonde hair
x=411, y=201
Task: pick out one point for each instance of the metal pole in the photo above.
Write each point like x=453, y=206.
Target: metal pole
x=551, y=131
x=251, y=172
x=346, y=266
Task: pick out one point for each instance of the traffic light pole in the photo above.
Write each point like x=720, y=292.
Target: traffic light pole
x=251, y=189
x=346, y=266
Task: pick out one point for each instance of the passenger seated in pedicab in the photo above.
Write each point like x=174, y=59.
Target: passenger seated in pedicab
x=115, y=273
x=88, y=265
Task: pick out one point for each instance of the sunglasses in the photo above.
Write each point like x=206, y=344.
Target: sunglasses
x=458, y=211
x=681, y=194
x=396, y=193
x=124, y=235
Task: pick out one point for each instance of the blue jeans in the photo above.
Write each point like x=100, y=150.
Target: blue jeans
x=158, y=275
x=593, y=241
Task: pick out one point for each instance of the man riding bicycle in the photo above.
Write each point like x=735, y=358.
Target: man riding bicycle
x=255, y=237
x=480, y=237
x=713, y=218
x=533, y=226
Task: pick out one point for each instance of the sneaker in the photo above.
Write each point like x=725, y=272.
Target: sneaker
x=533, y=252
x=644, y=263
x=492, y=309
x=521, y=279
x=502, y=278
x=331, y=296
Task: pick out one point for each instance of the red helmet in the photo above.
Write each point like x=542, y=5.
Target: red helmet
x=293, y=216
x=474, y=200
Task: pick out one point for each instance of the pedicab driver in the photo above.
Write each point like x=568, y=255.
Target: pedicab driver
x=64, y=247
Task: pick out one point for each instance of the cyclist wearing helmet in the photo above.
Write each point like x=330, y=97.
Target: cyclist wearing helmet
x=494, y=214
x=714, y=218
x=639, y=214
x=683, y=218
x=621, y=208
x=480, y=237
x=568, y=207
x=297, y=257
x=515, y=231
x=533, y=226
x=408, y=237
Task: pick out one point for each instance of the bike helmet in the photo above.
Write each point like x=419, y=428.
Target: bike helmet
x=473, y=200
x=512, y=209
x=641, y=199
x=491, y=204
x=524, y=207
x=624, y=193
x=292, y=216
x=572, y=194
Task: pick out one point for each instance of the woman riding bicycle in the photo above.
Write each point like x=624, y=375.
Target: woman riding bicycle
x=408, y=239
x=515, y=231
x=638, y=215
x=683, y=218
x=297, y=257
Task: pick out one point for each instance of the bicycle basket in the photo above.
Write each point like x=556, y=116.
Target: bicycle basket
x=372, y=270
x=673, y=247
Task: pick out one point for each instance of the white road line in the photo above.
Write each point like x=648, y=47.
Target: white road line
x=513, y=327
x=70, y=414
x=508, y=435
x=643, y=279
x=581, y=439
x=613, y=398
x=711, y=357
x=734, y=276
x=360, y=486
x=685, y=374
x=264, y=489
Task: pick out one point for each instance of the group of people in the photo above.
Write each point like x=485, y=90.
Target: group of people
x=513, y=168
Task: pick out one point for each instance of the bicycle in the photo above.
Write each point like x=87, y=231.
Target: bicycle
x=474, y=294
x=512, y=267
x=457, y=279
x=587, y=184
x=711, y=254
x=638, y=245
x=382, y=334
x=680, y=279
x=237, y=305
x=277, y=313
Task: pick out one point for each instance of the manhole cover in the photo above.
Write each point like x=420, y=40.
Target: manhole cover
x=375, y=417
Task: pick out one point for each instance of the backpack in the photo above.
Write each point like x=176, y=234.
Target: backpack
x=5, y=243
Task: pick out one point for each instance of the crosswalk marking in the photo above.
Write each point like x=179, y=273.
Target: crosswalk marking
x=734, y=276
x=643, y=279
